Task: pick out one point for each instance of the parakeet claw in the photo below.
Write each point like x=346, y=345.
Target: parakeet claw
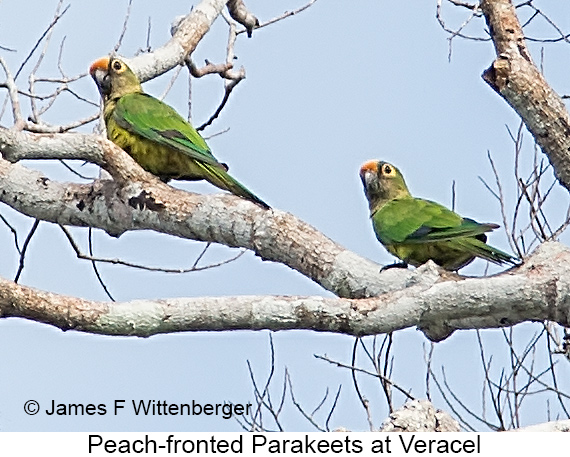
x=394, y=265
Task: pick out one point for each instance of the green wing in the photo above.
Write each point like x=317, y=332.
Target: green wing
x=154, y=120
x=414, y=220
x=144, y=116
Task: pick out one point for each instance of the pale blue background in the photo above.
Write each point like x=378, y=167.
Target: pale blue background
x=339, y=84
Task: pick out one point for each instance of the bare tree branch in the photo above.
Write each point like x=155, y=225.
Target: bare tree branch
x=515, y=77
x=285, y=15
x=537, y=291
x=241, y=14
x=186, y=34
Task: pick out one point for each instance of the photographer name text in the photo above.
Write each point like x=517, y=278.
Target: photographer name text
x=143, y=408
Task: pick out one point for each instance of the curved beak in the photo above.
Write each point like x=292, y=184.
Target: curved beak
x=99, y=71
x=368, y=172
x=100, y=64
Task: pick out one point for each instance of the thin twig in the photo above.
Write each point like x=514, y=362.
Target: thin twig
x=25, y=249
x=465, y=407
x=52, y=24
x=124, y=29
x=361, y=370
x=363, y=400
x=10, y=84
x=333, y=407
x=450, y=405
x=297, y=405
x=94, y=265
x=261, y=402
x=429, y=360
x=495, y=400
x=285, y=15
x=116, y=261
x=232, y=77
x=14, y=233
x=75, y=172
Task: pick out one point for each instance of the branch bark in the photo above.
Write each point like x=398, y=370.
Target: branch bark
x=539, y=290
x=515, y=77
x=239, y=12
x=186, y=34
x=422, y=416
x=419, y=416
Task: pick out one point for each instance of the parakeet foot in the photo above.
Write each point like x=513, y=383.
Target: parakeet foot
x=394, y=265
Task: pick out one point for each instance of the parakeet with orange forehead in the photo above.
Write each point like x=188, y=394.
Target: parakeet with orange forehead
x=417, y=230
x=154, y=134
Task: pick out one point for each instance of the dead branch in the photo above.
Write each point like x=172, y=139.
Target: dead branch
x=241, y=14
x=208, y=69
x=536, y=291
x=285, y=15
x=231, y=77
x=515, y=77
x=187, y=32
x=419, y=416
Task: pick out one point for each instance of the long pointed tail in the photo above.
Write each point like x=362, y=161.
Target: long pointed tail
x=483, y=250
x=220, y=178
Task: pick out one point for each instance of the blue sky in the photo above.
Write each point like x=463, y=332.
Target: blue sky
x=327, y=90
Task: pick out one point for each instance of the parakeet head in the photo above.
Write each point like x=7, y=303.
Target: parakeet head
x=114, y=78
x=382, y=182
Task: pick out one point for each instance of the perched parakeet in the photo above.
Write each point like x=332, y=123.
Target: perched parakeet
x=154, y=134
x=416, y=230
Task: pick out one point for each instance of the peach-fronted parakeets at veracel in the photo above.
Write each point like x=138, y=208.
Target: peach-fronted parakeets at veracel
x=416, y=230
x=154, y=134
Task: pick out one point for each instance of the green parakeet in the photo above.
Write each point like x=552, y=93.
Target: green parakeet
x=154, y=134
x=416, y=230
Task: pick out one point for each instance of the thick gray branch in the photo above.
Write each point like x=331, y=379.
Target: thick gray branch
x=537, y=291
x=186, y=34
x=515, y=77
x=18, y=145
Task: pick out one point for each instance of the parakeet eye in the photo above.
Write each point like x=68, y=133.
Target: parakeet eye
x=117, y=66
x=387, y=169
